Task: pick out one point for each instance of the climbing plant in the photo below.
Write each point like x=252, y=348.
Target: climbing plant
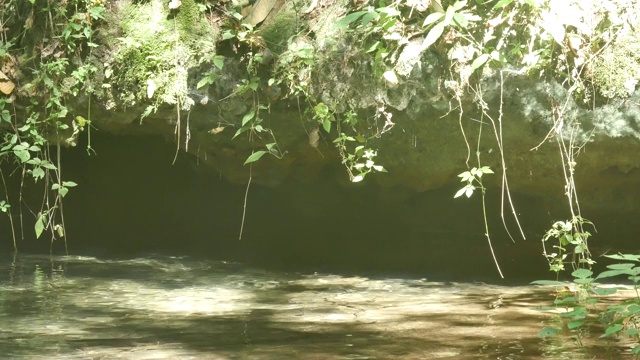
x=59, y=39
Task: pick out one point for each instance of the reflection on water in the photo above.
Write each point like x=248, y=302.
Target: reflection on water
x=180, y=308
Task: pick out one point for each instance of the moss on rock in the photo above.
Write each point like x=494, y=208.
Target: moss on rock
x=616, y=71
x=155, y=51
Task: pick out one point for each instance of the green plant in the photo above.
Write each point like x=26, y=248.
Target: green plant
x=586, y=304
x=568, y=234
x=59, y=72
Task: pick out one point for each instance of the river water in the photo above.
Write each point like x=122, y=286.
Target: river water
x=160, y=307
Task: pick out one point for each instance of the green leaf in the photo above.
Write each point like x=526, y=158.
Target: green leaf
x=39, y=227
x=69, y=183
x=612, y=330
x=548, y=283
x=389, y=11
x=63, y=191
x=583, y=280
x=604, y=291
x=628, y=257
x=369, y=17
x=326, y=124
x=546, y=332
x=575, y=324
x=486, y=170
x=228, y=35
x=582, y=273
x=204, y=81
x=255, y=156
x=248, y=116
x=502, y=3
x=623, y=266
x=610, y=273
x=432, y=18
x=461, y=20
x=38, y=173
x=23, y=155
x=460, y=192
x=448, y=16
x=358, y=178
x=218, y=61
x=459, y=4
x=479, y=61
x=433, y=35
x=345, y=21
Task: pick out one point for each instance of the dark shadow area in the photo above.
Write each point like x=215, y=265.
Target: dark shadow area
x=131, y=201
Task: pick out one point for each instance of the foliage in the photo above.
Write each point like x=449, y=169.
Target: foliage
x=473, y=178
x=569, y=234
x=64, y=33
x=584, y=304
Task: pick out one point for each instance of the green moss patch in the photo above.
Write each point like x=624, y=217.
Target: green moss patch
x=616, y=70
x=156, y=49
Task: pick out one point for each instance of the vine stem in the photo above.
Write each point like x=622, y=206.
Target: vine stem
x=244, y=209
x=484, y=205
x=486, y=229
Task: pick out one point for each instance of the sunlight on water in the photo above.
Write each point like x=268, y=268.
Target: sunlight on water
x=180, y=308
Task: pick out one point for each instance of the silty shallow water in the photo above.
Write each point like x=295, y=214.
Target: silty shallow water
x=182, y=308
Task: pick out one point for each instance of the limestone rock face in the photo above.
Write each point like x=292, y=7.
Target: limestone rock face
x=155, y=58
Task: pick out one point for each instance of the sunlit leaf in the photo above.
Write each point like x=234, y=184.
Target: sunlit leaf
x=151, y=88
x=255, y=156
x=469, y=191
x=582, y=273
x=39, y=226
x=390, y=76
x=367, y=18
x=432, y=18
x=486, y=170
x=448, y=16
x=345, y=21
x=38, y=173
x=479, y=61
x=389, y=11
x=357, y=178
x=461, y=20
x=624, y=266
x=218, y=61
x=460, y=192
x=628, y=257
x=433, y=35
x=248, y=116
x=610, y=273
x=502, y=3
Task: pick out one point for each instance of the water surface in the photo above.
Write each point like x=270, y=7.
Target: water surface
x=160, y=307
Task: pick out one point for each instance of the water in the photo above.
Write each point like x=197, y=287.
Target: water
x=182, y=308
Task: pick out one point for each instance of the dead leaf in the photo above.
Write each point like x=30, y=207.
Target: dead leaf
x=6, y=85
x=314, y=137
x=217, y=130
x=47, y=51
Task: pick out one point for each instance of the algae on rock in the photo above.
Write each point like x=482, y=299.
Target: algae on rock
x=156, y=51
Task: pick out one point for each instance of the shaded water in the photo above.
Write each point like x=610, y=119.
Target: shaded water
x=182, y=308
